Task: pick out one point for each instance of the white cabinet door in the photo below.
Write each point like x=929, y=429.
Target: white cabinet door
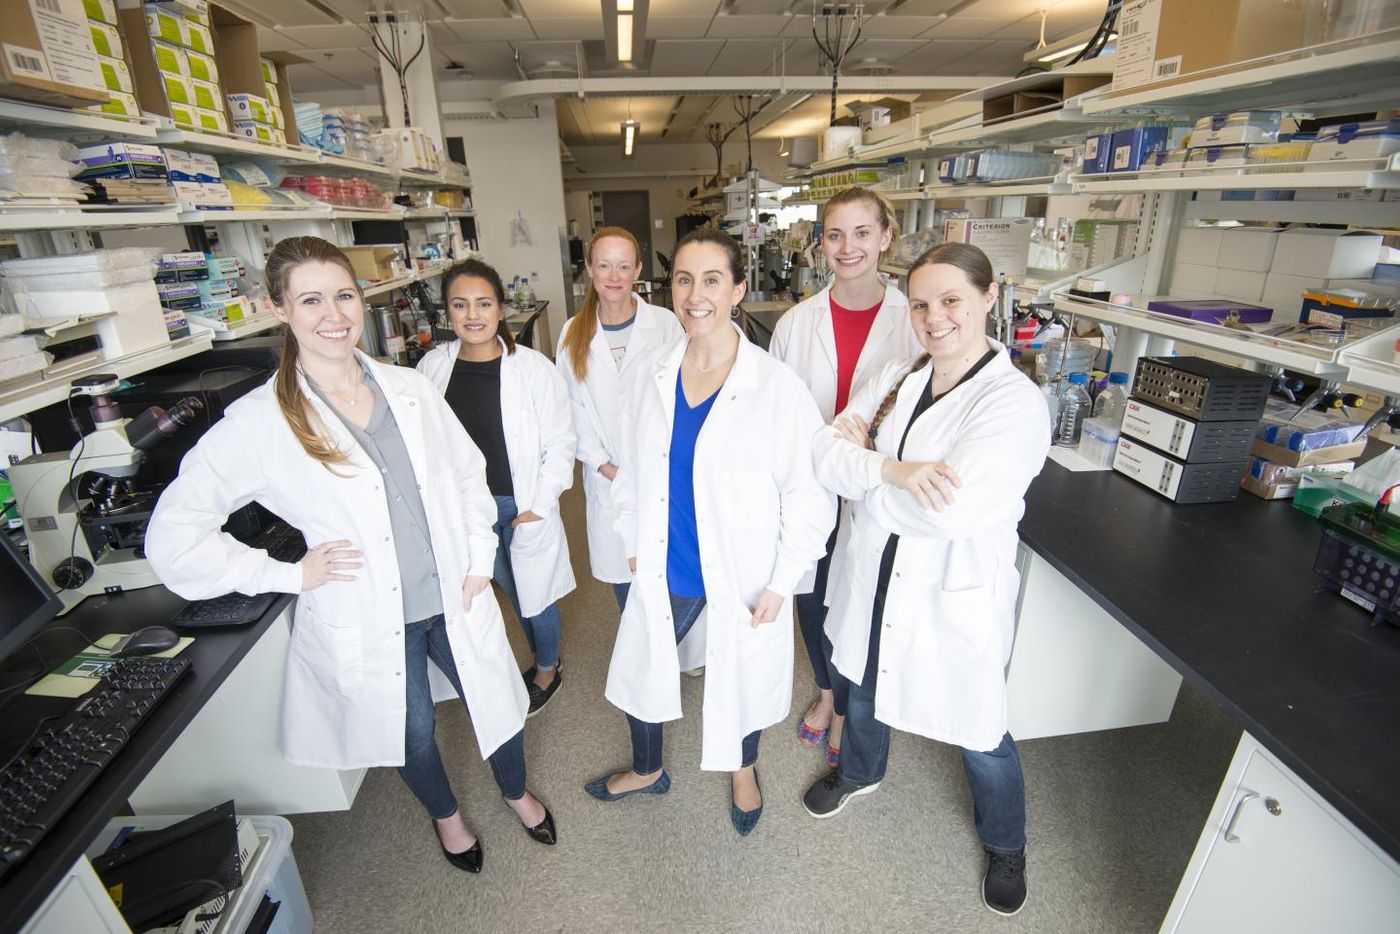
x=1275, y=857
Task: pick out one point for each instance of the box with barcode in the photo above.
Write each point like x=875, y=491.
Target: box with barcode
x=1163, y=41
x=46, y=54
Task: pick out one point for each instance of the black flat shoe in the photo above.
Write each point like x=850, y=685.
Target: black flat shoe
x=468, y=860
x=543, y=832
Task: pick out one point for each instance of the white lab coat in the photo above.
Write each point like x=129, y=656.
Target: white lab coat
x=805, y=340
x=345, y=706
x=949, y=613
x=540, y=441
x=763, y=520
x=597, y=406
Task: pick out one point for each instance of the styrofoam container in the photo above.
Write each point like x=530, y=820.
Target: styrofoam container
x=1199, y=245
x=271, y=871
x=1284, y=294
x=1240, y=284
x=1326, y=254
x=1248, y=248
x=1190, y=279
x=67, y=303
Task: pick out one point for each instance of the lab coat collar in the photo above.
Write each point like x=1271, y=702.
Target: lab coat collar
x=742, y=376
x=405, y=415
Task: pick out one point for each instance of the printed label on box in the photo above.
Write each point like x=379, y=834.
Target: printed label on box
x=1138, y=23
x=24, y=60
x=67, y=41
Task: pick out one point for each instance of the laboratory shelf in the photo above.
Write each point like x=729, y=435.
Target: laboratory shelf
x=422, y=275
x=1373, y=363
x=1251, y=343
x=1350, y=77
x=221, y=144
x=257, y=324
x=22, y=396
x=1009, y=188
x=1354, y=213
x=1066, y=122
x=328, y=161
x=71, y=124
x=74, y=219
x=1350, y=173
x=258, y=214
x=366, y=214
x=436, y=214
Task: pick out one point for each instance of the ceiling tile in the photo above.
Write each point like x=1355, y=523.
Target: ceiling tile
x=894, y=26
x=672, y=58
x=934, y=56
x=967, y=27
x=308, y=79
x=476, y=9
x=562, y=9
x=482, y=30
x=329, y=37
x=748, y=57
x=568, y=28
x=272, y=40
x=677, y=27
x=285, y=13
x=747, y=27
x=487, y=61
x=658, y=9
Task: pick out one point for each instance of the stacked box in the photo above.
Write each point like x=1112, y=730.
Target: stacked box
x=255, y=117
x=184, y=54
x=111, y=59
x=220, y=295
x=121, y=160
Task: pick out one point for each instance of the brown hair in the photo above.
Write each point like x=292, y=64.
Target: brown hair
x=978, y=269
x=884, y=212
x=586, y=321
x=286, y=257
x=716, y=238
x=476, y=269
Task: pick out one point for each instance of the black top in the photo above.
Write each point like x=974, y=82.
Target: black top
x=474, y=392
x=1226, y=594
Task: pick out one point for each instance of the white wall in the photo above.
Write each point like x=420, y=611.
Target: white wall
x=515, y=167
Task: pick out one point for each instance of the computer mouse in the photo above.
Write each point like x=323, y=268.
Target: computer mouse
x=146, y=641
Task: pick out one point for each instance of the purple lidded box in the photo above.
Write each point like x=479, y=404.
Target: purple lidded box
x=1214, y=310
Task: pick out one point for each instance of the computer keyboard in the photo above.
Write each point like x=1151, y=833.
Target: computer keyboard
x=283, y=543
x=46, y=778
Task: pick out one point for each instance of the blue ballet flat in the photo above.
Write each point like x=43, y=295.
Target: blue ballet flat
x=599, y=788
x=746, y=821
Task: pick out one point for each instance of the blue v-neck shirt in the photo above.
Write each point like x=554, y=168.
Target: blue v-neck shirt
x=682, y=538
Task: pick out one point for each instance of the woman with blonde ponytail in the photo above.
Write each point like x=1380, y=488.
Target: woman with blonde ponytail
x=935, y=458
x=373, y=467
x=598, y=348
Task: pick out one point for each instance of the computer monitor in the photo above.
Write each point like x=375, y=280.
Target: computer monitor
x=28, y=602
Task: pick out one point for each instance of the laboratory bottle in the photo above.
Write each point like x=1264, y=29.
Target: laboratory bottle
x=1074, y=408
x=525, y=298
x=1113, y=401
x=1050, y=389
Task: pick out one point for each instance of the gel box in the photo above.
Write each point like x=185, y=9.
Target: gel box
x=1212, y=310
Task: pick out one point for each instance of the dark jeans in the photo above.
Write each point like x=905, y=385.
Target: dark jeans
x=646, y=737
x=542, y=632
x=998, y=787
x=811, y=616
x=422, y=770
x=620, y=593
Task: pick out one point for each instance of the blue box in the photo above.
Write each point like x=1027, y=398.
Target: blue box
x=1098, y=152
x=1129, y=147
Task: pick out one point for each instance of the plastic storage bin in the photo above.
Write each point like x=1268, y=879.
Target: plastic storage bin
x=272, y=871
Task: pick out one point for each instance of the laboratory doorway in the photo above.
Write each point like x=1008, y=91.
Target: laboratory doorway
x=631, y=210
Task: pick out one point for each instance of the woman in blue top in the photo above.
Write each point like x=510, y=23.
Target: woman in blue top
x=720, y=511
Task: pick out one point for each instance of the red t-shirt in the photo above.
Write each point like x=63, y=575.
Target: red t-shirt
x=852, y=327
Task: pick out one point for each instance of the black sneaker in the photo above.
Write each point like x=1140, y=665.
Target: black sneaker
x=528, y=674
x=1004, y=885
x=829, y=794
x=541, y=696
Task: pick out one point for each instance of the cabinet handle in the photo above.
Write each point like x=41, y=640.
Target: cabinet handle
x=1230, y=835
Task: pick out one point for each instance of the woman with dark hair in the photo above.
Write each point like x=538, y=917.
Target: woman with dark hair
x=515, y=407
x=720, y=511
x=935, y=456
x=374, y=469
x=598, y=349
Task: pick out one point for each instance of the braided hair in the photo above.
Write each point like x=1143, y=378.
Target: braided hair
x=978, y=269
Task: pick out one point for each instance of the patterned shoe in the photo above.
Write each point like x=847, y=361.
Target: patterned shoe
x=808, y=735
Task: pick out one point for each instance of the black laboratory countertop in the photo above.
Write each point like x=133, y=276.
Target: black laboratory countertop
x=213, y=656
x=1225, y=593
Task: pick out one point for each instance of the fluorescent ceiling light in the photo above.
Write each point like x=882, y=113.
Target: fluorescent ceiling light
x=624, y=37
x=1062, y=53
x=626, y=6
x=630, y=129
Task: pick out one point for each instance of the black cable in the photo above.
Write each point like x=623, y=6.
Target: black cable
x=24, y=746
x=1099, y=39
x=72, y=491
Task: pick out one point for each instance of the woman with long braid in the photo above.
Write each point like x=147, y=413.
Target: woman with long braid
x=935, y=457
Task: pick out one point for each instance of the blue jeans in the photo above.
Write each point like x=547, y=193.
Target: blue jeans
x=646, y=737
x=811, y=616
x=542, y=632
x=995, y=779
x=422, y=770
x=620, y=592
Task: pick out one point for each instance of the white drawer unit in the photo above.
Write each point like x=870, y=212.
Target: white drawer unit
x=1276, y=857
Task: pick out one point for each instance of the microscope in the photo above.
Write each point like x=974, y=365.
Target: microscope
x=84, y=514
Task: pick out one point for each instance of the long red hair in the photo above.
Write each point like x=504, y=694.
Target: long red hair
x=585, y=324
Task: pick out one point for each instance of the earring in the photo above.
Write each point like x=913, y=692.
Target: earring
x=734, y=312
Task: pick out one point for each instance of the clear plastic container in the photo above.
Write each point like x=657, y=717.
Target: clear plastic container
x=1098, y=442
x=1074, y=408
x=1113, y=401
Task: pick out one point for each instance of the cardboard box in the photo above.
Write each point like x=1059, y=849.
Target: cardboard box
x=199, y=38
x=206, y=95
x=1162, y=41
x=116, y=75
x=47, y=57
x=119, y=104
x=104, y=11
x=170, y=58
x=372, y=262
x=178, y=90
x=210, y=120
x=1247, y=248
x=182, y=114
x=191, y=166
x=1240, y=284
x=161, y=24
x=249, y=107
x=1133, y=144
x=201, y=196
x=253, y=130
x=1006, y=241
x=1199, y=245
x=1326, y=254
x=1098, y=153
x=201, y=66
x=122, y=160
x=1278, y=490
x=1048, y=95
x=1282, y=455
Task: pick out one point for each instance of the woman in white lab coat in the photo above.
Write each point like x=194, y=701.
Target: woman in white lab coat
x=598, y=348
x=836, y=340
x=935, y=456
x=515, y=406
x=373, y=468
x=720, y=510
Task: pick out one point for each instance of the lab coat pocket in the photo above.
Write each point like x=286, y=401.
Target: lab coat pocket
x=750, y=500
x=967, y=622
x=332, y=654
x=531, y=540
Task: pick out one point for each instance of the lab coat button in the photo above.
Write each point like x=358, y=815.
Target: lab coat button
x=383, y=469
x=386, y=538
x=412, y=403
x=395, y=588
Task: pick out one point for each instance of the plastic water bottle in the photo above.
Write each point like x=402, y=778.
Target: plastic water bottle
x=1113, y=401
x=525, y=297
x=513, y=292
x=1051, y=390
x=1074, y=408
